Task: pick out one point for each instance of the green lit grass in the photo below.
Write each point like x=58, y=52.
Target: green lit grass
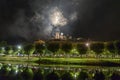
x=18, y=59
x=63, y=61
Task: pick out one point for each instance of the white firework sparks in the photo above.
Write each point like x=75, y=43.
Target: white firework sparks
x=57, y=18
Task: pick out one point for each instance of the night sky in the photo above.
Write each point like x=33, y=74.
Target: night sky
x=29, y=20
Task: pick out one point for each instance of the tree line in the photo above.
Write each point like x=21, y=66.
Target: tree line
x=66, y=48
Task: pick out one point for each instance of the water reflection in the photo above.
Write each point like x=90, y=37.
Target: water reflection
x=29, y=72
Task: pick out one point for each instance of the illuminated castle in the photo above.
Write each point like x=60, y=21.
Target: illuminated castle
x=56, y=34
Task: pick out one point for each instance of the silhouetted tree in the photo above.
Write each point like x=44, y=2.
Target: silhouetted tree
x=40, y=48
x=82, y=49
x=66, y=47
x=117, y=44
x=3, y=44
x=8, y=50
x=111, y=48
x=53, y=46
x=2, y=50
x=98, y=47
x=29, y=49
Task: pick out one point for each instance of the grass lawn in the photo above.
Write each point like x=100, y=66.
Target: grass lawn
x=64, y=61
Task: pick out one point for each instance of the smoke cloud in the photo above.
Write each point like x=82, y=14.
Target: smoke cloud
x=33, y=19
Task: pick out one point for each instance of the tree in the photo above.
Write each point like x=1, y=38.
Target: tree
x=8, y=50
x=98, y=47
x=66, y=47
x=2, y=50
x=110, y=46
x=17, y=50
x=29, y=49
x=40, y=48
x=3, y=44
x=53, y=46
x=82, y=49
x=117, y=47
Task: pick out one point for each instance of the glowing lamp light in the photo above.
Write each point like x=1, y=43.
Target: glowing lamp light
x=87, y=44
x=75, y=76
x=19, y=47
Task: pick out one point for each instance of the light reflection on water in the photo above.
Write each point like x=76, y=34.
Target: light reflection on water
x=52, y=72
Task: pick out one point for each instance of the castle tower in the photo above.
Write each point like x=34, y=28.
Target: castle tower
x=55, y=33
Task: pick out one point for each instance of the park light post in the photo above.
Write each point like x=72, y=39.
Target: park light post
x=19, y=48
x=87, y=44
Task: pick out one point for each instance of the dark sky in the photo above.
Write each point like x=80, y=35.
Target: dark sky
x=28, y=20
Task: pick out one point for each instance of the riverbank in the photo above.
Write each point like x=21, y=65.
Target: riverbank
x=63, y=61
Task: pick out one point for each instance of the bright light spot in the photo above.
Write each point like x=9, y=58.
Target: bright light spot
x=75, y=76
x=16, y=71
x=9, y=64
x=19, y=47
x=87, y=44
x=62, y=34
x=57, y=18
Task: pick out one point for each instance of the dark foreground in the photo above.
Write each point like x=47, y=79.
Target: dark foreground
x=41, y=72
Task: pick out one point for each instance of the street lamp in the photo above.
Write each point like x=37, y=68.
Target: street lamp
x=19, y=47
x=88, y=47
x=87, y=44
